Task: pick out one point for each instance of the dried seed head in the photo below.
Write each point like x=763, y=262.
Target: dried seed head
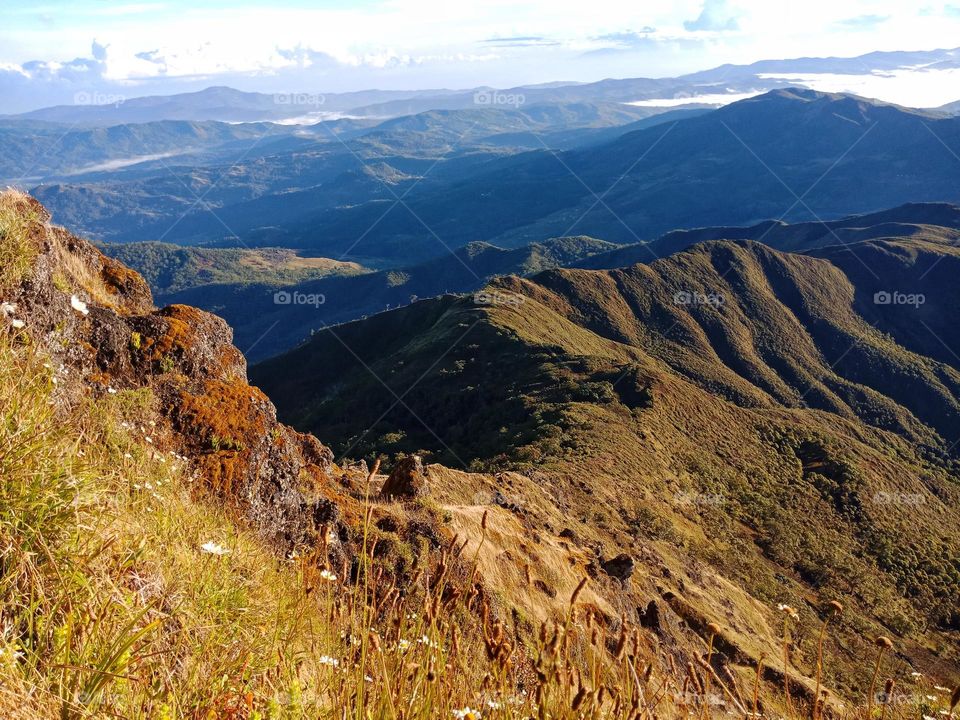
x=883, y=642
x=579, y=698
x=483, y=522
x=888, y=688
x=834, y=608
x=576, y=593
x=713, y=629
x=621, y=646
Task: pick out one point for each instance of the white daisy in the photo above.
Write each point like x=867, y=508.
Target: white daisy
x=467, y=713
x=212, y=548
x=328, y=576
x=328, y=661
x=427, y=641
x=79, y=305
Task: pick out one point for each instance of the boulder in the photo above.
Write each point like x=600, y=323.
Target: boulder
x=407, y=479
x=621, y=567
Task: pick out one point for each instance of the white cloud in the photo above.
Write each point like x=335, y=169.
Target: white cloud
x=431, y=43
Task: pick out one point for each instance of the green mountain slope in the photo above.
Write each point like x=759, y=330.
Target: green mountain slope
x=264, y=328
x=732, y=402
x=172, y=268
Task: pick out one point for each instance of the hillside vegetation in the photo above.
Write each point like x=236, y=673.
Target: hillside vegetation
x=171, y=269
x=171, y=551
x=265, y=328
x=730, y=409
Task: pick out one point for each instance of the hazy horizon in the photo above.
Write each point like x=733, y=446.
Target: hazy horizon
x=51, y=52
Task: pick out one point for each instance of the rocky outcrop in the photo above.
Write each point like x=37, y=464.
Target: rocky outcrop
x=95, y=318
x=408, y=479
x=620, y=567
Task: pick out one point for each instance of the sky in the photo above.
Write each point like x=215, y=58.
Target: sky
x=54, y=49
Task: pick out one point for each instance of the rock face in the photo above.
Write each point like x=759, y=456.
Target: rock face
x=96, y=320
x=407, y=479
x=621, y=567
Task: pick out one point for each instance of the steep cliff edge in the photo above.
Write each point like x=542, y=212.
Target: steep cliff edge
x=96, y=320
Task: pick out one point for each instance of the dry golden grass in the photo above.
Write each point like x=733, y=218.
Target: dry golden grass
x=121, y=596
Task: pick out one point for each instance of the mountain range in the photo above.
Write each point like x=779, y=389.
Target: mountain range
x=571, y=400
x=790, y=419
x=417, y=187
x=263, y=328
x=231, y=105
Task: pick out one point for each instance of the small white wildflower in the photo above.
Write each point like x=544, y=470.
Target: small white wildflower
x=328, y=661
x=467, y=713
x=789, y=611
x=328, y=576
x=212, y=548
x=79, y=305
x=18, y=324
x=928, y=717
x=403, y=645
x=148, y=439
x=427, y=641
x=493, y=705
x=111, y=390
x=8, y=309
x=368, y=678
x=127, y=456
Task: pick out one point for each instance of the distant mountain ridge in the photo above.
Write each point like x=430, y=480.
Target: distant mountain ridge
x=906, y=220
x=263, y=329
x=231, y=105
x=795, y=154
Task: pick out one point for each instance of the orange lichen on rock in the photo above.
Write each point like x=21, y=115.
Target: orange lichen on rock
x=121, y=280
x=180, y=333
x=224, y=422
